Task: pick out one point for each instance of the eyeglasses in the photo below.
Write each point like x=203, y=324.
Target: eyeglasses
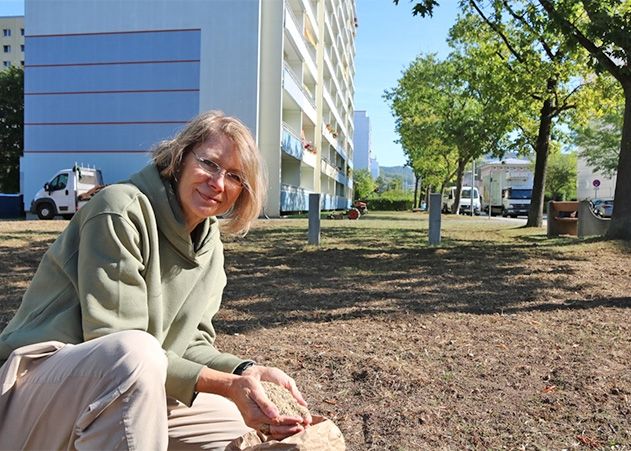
x=234, y=179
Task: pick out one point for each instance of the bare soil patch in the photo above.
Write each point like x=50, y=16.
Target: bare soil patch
x=497, y=339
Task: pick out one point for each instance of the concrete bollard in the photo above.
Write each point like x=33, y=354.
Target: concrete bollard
x=435, y=207
x=314, y=218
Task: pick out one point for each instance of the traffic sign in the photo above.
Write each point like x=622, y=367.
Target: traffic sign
x=596, y=183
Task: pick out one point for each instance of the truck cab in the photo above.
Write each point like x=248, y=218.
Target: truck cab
x=516, y=201
x=61, y=194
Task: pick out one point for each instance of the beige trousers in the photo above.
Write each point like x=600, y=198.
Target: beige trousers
x=105, y=394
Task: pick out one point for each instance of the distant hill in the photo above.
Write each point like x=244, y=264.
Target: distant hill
x=404, y=172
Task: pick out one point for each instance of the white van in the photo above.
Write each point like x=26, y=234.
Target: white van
x=466, y=200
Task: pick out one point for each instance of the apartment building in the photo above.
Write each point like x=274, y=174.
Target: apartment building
x=363, y=157
x=12, y=41
x=104, y=80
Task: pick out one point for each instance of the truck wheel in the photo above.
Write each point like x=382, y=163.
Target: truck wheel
x=45, y=211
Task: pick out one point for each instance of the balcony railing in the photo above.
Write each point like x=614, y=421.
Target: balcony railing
x=333, y=202
x=291, y=144
x=299, y=23
x=293, y=198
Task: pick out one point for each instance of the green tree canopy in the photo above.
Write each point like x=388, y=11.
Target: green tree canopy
x=11, y=128
x=561, y=179
x=363, y=183
x=596, y=133
x=441, y=120
x=546, y=76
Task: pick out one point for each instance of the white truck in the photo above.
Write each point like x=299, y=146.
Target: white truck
x=66, y=192
x=469, y=200
x=507, y=187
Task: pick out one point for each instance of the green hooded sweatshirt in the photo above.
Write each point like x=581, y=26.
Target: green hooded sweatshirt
x=126, y=261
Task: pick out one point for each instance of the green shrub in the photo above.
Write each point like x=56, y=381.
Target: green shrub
x=387, y=204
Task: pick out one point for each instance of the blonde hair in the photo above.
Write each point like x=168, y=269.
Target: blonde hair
x=168, y=156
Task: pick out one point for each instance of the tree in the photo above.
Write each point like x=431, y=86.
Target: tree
x=420, y=136
x=601, y=27
x=545, y=73
x=561, y=179
x=11, y=128
x=441, y=120
x=363, y=183
x=597, y=135
x=599, y=142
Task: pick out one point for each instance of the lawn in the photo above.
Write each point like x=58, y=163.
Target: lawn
x=499, y=338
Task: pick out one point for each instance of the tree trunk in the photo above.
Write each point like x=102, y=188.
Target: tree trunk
x=620, y=225
x=535, y=214
x=416, y=193
x=462, y=163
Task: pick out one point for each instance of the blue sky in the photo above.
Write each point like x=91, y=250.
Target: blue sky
x=388, y=39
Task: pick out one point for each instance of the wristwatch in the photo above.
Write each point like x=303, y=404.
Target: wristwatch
x=243, y=366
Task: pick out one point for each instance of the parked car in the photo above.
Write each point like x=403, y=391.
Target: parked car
x=595, y=203
x=605, y=208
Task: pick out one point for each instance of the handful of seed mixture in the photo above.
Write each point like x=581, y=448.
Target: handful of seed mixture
x=284, y=400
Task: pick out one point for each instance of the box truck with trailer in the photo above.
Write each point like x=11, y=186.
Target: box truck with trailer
x=507, y=187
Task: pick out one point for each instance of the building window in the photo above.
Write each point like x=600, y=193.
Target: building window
x=22, y=47
x=6, y=32
x=22, y=63
x=22, y=31
x=6, y=63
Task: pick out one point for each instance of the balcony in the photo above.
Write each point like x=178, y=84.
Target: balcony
x=328, y=134
x=295, y=89
x=327, y=168
x=341, y=151
x=296, y=29
x=290, y=144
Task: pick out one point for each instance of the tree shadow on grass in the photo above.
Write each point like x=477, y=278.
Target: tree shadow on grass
x=274, y=278
x=16, y=270
x=376, y=272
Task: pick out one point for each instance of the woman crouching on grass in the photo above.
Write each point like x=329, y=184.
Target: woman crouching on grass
x=112, y=346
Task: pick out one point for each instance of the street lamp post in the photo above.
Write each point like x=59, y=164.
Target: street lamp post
x=490, y=199
x=472, y=187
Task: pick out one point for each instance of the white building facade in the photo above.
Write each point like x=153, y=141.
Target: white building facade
x=105, y=80
x=593, y=184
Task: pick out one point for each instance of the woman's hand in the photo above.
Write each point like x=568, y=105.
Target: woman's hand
x=259, y=412
x=249, y=396
x=271, y=374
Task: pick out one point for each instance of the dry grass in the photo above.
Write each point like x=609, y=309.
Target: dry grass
x=497, y=339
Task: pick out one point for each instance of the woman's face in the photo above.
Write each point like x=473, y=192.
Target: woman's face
x=209, y=182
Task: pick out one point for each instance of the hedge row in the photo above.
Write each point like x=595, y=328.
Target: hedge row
x=390, y=204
